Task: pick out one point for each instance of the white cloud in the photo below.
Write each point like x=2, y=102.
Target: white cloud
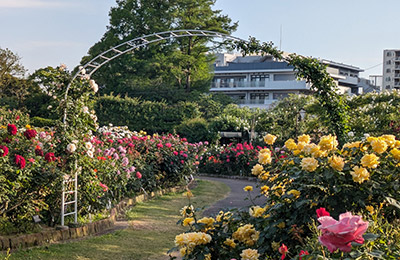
x=32, y=4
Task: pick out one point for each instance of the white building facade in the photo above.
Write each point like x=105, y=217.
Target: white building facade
x=391, y=70
x=259, y=81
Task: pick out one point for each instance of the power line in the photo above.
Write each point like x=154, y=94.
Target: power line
x=374, y=66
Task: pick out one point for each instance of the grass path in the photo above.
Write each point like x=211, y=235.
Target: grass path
x=150, y=235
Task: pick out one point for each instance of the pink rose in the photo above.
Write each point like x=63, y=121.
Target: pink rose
x=340, y=234
x=138, y=175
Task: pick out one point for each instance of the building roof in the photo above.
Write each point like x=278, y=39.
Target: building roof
x=341, y=65
x=269, y=65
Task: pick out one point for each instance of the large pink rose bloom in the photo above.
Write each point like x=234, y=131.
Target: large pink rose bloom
x=340, y=234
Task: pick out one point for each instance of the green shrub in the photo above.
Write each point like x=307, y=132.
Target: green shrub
x=196, y=130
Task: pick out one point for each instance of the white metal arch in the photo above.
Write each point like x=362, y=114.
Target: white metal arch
x=145, y=40
x=129, y=46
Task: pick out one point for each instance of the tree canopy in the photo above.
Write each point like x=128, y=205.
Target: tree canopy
x=166, y=69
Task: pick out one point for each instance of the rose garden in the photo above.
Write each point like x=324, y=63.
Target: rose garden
x=330, y=180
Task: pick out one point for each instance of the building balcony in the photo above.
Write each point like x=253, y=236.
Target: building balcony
x=260, y=85
x=349, y=80
x=397, y=83
x=397, y=75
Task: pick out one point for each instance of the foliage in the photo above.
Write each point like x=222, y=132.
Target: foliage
x=196, y=130
x=375, y=113
x=163, y=68
x=150, y=116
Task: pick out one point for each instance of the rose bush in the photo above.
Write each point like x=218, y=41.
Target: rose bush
x=300, y=178
x=231, y=159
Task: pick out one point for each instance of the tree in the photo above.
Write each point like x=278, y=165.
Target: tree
x=176, y=66
x=13, y=87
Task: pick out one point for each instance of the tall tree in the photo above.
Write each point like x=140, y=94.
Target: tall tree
x=160, y=69
x=13, y=86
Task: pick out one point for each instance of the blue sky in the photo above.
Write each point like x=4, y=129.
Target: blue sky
x=50, y=32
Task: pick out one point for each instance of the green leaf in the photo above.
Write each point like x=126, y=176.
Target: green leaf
x=370, y=236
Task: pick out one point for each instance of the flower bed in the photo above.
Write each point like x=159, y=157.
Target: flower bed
x=114, y=164
x=298, y=180
x=232, y=159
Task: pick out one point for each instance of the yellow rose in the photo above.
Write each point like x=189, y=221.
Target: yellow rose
x=230, y=242
x=295, y=193
x=264, y=189
x=290, y=144
x=304, y=138
x=249, y=254
x=395, y=153
x=265, y=158
x=309, y=164
x=188, y=221
x=256, y=211
x=248, y=188
x=390, y=140
x=328, y=143
x=336, y=162
x=397, y=144
x=359, y=174
x=207, y=221
x=257, y=169
x=281, y=225
x=269, y=139
x=301, y=145
x=370, y=160
x=370, y=209
x=379, y=145
x=264, y=176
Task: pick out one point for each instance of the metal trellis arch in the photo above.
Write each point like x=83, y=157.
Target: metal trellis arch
x=129, y=46
x=105, y=57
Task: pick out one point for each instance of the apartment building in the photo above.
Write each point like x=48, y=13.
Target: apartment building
x=259, y=81
x=391, y=70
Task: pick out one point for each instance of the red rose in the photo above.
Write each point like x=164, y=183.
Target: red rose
x=49, y=157
x=12, y=129
x=30, y=133
x=3, y=151
x=138, y=175
x=20, y=161
x=39, y=152
x=322, y=212
x=303, y=253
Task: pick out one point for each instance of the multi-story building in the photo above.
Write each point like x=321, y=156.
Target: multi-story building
x=391, y=70
x=258, y=81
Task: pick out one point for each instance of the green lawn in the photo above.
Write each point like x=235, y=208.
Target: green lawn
x=150, y=235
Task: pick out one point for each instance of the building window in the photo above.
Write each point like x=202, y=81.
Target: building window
x=239, y=98
x=388, y=87
x=388, y=54
x=388, y=70
x=387, y=78
x=258, y=98
x=279, y=96
x=388, y=62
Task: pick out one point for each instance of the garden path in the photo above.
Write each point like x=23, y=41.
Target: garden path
x=236, y=197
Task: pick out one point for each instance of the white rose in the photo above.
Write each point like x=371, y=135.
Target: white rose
x=90, y=154
x=71, y=148
x=350, y=134
x=85, y=110
x=88, y=145
x=94, y=85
